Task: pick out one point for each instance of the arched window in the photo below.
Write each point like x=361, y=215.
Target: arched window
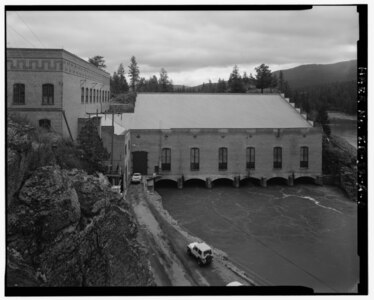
x=304, y=157
x=48, y=94
x=250, y=158
x=195, y=159
x=277, y=155
x=18, y=93
x=45, y=123
x=166, y=159
x=222, y=159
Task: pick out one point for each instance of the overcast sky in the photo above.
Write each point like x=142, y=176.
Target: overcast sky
x=193, y=46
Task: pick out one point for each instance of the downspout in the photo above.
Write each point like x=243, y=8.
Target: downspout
x=67, y=124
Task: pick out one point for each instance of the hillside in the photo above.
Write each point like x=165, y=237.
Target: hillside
x=316, y=74
x=65, y=227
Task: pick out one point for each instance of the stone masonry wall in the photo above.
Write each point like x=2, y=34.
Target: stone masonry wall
x=236, y=141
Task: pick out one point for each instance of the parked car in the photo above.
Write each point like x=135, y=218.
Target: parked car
x=201, y=252
x=136, y=178
x=234, y=283
x=116, y=188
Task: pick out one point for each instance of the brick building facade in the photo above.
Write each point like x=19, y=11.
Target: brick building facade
x=207, y=137
x=53, y=88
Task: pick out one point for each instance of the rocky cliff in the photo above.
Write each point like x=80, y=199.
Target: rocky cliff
x=340, y=160
x=67, y=228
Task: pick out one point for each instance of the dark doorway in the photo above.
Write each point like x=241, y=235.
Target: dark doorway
x=140, y=162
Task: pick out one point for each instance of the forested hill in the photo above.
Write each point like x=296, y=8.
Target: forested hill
x=312, y=75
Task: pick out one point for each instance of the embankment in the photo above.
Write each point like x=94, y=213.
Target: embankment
x=339, y=160
x=65, y=227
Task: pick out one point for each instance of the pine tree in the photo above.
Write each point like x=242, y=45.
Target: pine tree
x=122, y=83
x=164, y=83
x=114, y=84
x=221, y=86
x=264, y=78
x=92, y=145
x=97, y=61
x=281, y=82
x=235, y=81
x=153, y=84
x=133, y=73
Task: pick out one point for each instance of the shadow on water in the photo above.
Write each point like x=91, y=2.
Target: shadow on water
x=305, y=180
x=250, y=182
x=277, y=181
x=222, y=182
x=194, y=183
x=166, y=183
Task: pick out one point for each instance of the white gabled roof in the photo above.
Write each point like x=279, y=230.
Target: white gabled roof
x=192, y=110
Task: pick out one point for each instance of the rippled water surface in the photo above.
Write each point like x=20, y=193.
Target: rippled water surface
x=279, y=235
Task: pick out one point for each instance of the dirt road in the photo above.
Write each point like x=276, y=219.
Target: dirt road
x=166, y=244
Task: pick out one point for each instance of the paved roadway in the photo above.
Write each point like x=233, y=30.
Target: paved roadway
x=166, y=247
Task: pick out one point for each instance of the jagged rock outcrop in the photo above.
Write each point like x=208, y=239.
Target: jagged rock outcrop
x=67, y=228
x=18, y=154
x=340, y=160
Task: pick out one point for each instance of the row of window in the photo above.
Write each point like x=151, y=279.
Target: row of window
x=222, y=158
x=19, y=94
x=94, y=95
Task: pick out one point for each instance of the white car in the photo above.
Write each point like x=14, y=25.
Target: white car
x=201, y=251
x=234, y=283
x=136, y=177
x=116, y=188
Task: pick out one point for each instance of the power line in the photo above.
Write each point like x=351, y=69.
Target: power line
x=30, y=29
x=21, y=35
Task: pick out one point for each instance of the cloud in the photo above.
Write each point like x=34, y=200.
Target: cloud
x=190, y=43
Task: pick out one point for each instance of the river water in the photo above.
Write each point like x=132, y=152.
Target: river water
x=279, y=235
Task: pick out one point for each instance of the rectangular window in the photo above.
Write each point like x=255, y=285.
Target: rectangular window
x=250, y=158
x=99, y=96
x=166, y=159
x=277, y=154
x=45, y=123
x=304, y=157
x=195, y=159
x=222, y=159
x=48, y=94
x=90, y=95
x=82, y=95
x=86, y=95
x=18, y=93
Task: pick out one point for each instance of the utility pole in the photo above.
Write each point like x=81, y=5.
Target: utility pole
x=112, y=141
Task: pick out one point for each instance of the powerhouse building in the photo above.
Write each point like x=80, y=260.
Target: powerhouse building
x=54, y=88
x=234, y=136
x=174, y=136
